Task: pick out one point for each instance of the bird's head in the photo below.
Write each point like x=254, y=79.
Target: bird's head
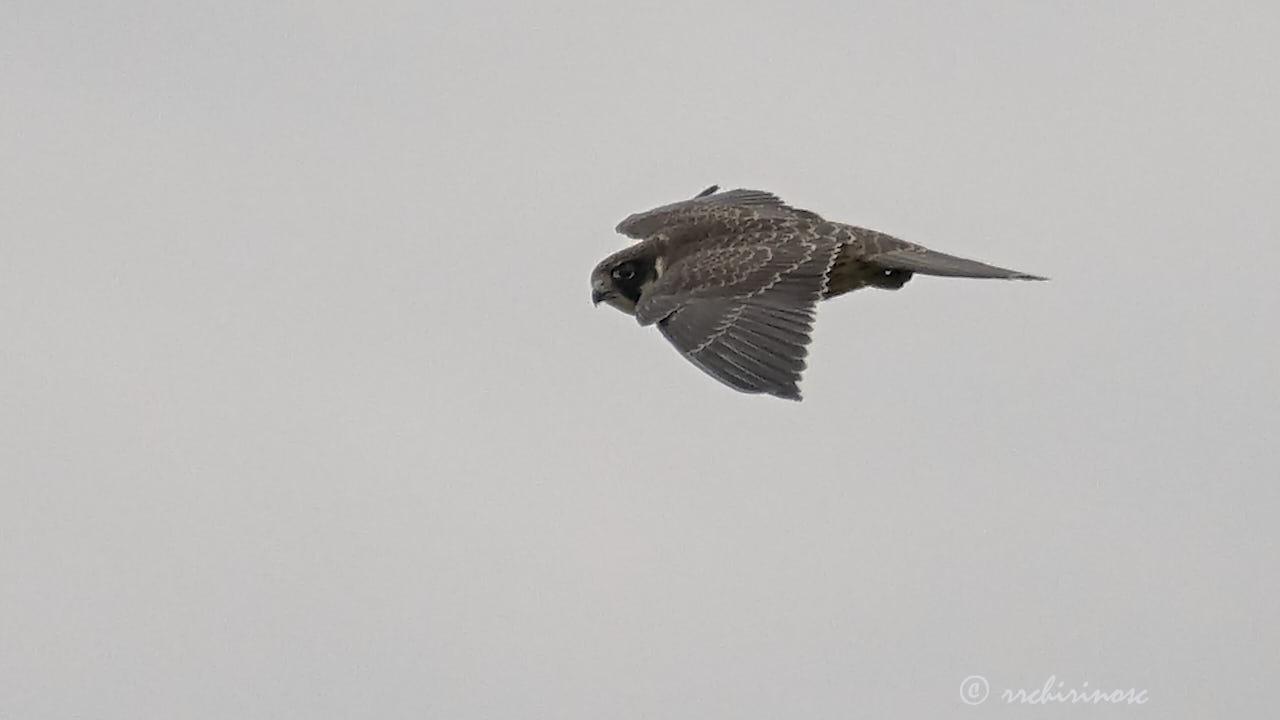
x=620, y=278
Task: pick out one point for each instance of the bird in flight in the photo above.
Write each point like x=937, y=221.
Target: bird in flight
x=732, y=280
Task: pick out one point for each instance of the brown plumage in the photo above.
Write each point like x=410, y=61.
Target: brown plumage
x=732, y=280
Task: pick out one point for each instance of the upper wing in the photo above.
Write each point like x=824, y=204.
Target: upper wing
x=709, y=207
x=742, y=310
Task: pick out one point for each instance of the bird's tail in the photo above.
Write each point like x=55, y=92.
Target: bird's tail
x=889, y=253
x=922, y=260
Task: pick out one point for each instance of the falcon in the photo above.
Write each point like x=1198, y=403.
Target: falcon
x=732, y=280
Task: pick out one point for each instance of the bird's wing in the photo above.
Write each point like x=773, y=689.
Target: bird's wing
x=742, y=309
x=891, y=253
x=710, y=207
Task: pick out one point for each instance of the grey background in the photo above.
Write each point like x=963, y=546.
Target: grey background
x=306, y=412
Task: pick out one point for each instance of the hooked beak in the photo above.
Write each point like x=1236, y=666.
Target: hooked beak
x=597, y=296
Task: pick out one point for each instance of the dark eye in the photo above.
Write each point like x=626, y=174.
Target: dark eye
x=624, y=272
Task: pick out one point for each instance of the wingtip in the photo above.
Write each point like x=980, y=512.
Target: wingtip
x=791, y=393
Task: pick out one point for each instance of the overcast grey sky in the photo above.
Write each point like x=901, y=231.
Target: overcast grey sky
x=305, y=411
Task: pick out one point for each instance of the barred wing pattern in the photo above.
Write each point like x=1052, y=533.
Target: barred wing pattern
x=741, y=308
